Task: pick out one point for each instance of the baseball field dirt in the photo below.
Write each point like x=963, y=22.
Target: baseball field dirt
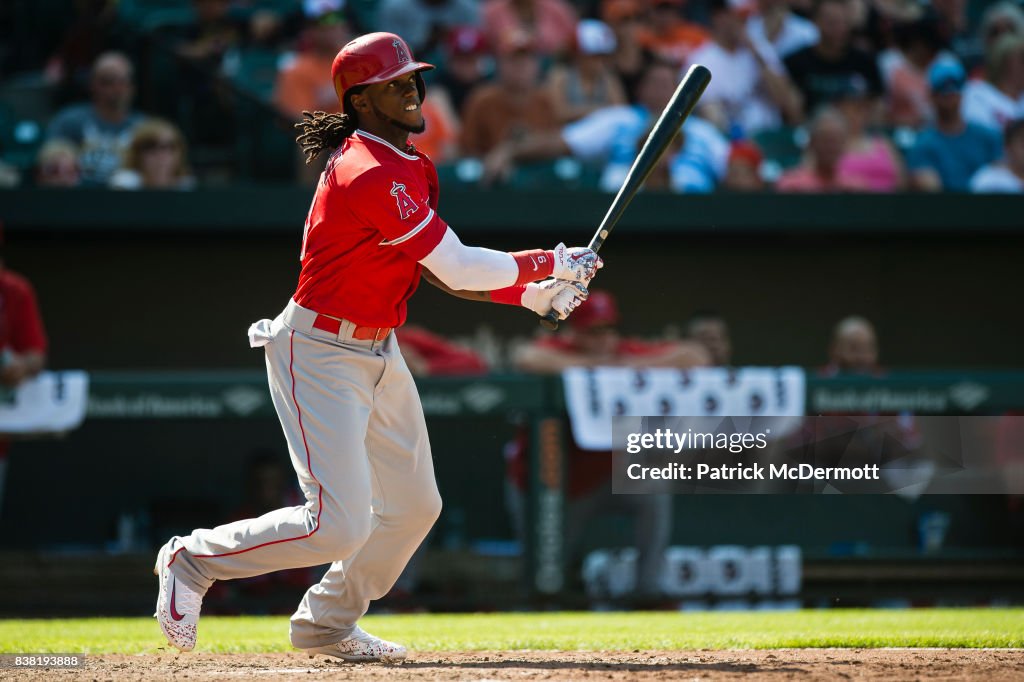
x=775, y=664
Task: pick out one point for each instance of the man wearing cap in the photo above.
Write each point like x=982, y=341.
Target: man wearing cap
x=588, y=82
x=947, y=153
x=341, y=388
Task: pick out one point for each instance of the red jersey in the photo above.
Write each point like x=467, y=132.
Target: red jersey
x=373, y=218
x=21, y=327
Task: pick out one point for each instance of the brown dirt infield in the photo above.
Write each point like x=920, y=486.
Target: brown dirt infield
x=777, y=664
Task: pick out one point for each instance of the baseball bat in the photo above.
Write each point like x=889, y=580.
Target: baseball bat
x=667, y=127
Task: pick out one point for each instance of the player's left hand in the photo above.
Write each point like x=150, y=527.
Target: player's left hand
x=578, y=263
x=558, y=295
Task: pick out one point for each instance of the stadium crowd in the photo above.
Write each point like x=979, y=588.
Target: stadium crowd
x=807, y=95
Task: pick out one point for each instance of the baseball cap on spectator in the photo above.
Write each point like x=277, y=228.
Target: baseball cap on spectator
x=323, y=11
x=599, y=310
x=746, y=152
x=616, y=11
x=466, y=40
x=594, y=37
x=946, y=75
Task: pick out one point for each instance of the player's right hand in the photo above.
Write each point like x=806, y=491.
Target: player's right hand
x=557, y=295
x=578, y=263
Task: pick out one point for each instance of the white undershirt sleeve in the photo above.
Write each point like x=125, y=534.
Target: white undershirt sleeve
x=470, y=268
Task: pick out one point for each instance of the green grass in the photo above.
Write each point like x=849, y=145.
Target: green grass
x=572, y=631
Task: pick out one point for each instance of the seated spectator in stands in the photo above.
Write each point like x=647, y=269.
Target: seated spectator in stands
x=999, y=98
x=854, y=348
x=214, y=32
x=821, y=170
x=157, y=158
x=631, y=58
x=425, y=24
x=869, y=155
x=549, y=24
x=611, y=136
x=512, y=105
x=824, y=71
x=1002, y=18
x=1006, y=176
x=429, y=354
x=440, y=139
x=593, y=340
x=57, y=165
x=668, y=35
x=776, y=24
x=466, y=64
x=945, y=155
x=587, y=82
x=709, y=329
x=750, y=90
x=102, y=129
x=301, y=83
x=743, y=174
x=905, y=71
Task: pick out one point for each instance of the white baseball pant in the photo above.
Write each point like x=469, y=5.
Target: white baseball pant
x=358, y=442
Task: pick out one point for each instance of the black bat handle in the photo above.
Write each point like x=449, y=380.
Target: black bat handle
x=550, y=321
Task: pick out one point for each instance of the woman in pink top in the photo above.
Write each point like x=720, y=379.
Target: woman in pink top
x=821, y=170
x=868, y=155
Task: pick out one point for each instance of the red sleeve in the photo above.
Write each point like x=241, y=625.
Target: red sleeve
x=27, y=332
x=399, y=208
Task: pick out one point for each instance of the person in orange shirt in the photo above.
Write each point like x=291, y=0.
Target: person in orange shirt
x=668, y=35
x=301, y=84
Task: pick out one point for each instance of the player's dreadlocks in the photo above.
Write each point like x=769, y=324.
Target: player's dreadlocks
x=321, y=131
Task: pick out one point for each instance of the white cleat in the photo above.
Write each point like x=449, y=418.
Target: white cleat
x=177, y=606
x=362, y=647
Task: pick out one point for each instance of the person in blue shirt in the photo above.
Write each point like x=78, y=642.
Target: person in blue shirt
x=948, y=152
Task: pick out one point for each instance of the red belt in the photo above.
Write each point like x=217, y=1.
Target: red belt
x=333, y=325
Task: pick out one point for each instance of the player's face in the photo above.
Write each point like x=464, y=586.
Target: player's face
x=396, y=102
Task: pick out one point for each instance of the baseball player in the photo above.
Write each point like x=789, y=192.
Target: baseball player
x=344, y=395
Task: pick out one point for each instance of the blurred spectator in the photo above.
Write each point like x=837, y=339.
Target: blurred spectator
x=945, y=155
x=512, y=105
x=612, y=136
x=23, y=342
x=57, y=165
x=1006, y=176
x=869, y=155
x=631, y=58
x=95, y=30
x=854, y=348
x=588, y=81
x=440, y=139
x=750, y=90
x=905, y=70
x=1002, y=18
x=102, y=129
x=429, y=354
x=466, y=65
x=709, y=329
x=550, y=24
x=953, y=28
x=743, y=173
x=157, y=158
x=668, y=35
x=214, y=32
x=593, y=340
x=999, y=98
x=820, y=170
x=303, y=83
x=425, y=24
x=825, y=70
x=780, y=27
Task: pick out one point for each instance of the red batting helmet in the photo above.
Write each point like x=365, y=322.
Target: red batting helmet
x=374, y=58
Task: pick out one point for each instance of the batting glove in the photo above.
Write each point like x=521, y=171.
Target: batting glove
x=558, y=295
x=578, y=263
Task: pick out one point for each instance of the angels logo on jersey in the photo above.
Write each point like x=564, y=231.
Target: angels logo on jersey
x=403, y=55
x=406, y=206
